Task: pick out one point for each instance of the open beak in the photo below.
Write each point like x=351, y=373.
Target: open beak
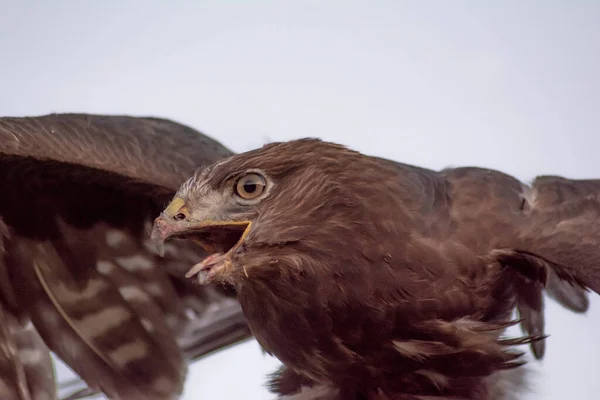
x=219, y=238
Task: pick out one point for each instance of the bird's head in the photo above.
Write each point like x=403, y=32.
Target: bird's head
x=302, y=197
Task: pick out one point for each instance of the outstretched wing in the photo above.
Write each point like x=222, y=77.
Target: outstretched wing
x=77, y=195
x=549, y=231
x=559, y=234
x=562, y=228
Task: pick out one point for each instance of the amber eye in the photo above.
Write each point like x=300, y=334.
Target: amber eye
x=250, y=186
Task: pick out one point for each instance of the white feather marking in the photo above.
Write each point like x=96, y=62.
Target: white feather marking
x=31, y=357
x=413, y=349
x=135, y=263
x=68, y=296
x=529, y=195
x=115, y=237
x=42, y=396
x=154, y=289
x=163, y=385
x=318, y=392
x=128, y=352
x=97, y=324
x=105, y=267
x=133, y=293
x=17, y=329
x=149, y=326
x=438, y=379
x=15, y=137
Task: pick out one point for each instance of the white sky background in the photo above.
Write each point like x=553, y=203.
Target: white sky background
x=511, y=85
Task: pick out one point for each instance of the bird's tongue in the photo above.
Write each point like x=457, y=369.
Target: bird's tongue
x=205, y=269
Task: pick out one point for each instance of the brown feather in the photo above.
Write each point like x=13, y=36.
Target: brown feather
x=87, y=323
x=26, y=368
x=137, y=148
x=37, y=362
x=13, y=381
x=563, y=228
x=571, y=296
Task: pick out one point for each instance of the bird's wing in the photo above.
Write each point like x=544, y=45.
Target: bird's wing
x=26, y=370
x=25, y=366
x=77, y=195
x=559, y=233
x=562, y=228
x=552, y=227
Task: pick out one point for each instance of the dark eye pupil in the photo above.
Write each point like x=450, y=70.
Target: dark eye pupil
x=249, y=187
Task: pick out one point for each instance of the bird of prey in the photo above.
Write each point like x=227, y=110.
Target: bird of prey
x=372, y=279
x=78, y=278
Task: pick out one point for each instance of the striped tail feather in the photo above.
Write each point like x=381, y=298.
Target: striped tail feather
x=88, y=324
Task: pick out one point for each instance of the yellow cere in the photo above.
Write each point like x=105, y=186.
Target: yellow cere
x=175, y=206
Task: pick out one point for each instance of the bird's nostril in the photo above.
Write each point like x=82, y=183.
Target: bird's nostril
x=179, y=217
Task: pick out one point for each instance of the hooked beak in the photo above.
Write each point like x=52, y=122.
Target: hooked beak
x=219, y=238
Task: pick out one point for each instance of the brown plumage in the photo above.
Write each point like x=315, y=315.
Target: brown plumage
x=371, y=279
x=77, y=275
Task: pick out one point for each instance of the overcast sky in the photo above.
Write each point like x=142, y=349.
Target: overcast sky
x=511, y=85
